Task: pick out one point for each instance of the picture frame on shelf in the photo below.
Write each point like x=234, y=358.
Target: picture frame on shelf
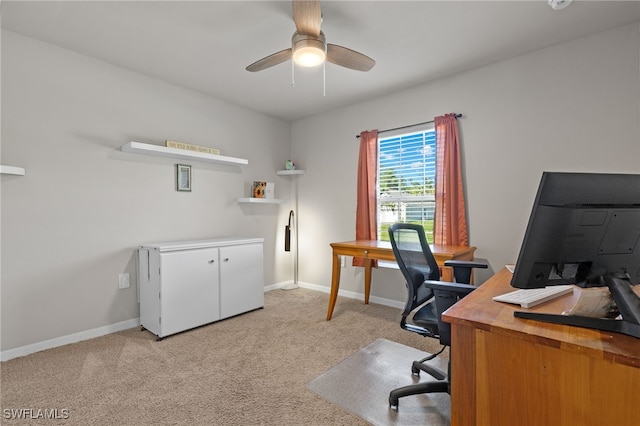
x=183, y=177
x=258, y=189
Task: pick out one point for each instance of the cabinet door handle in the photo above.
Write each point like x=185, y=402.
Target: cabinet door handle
x=212, y=261
x=226, y=259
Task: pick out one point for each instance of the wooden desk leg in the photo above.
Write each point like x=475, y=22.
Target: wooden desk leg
x=367, y=280
x=446, y=274
x=335, y=284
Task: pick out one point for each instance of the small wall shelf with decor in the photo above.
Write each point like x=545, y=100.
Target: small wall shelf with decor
x=259, y=200
x=181, y=154
x=12, y=170
x=290, y=172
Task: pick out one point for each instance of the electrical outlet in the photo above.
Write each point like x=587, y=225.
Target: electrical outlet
x=123, y=281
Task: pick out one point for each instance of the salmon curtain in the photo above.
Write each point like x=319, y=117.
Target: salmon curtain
x=366, y=220
x=450, y=225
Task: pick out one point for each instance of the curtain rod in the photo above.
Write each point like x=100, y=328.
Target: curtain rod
x=410, y=125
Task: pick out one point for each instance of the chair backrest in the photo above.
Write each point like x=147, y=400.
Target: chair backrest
x=415, y=260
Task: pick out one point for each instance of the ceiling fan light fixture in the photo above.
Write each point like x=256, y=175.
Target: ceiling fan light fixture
x=309, y=56
x=308, y=51
x=309, y=46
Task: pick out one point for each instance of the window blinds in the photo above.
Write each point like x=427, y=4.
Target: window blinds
x=406, y=181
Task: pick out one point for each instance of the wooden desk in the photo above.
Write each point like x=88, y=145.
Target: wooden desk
x=381, y=250
x=507, y=370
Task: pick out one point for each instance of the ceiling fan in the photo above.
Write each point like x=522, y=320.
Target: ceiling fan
x=309, y=47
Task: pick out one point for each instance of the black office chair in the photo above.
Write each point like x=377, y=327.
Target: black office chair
x=427, y=298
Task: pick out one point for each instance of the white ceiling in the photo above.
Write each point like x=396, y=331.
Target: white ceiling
x=206, y=45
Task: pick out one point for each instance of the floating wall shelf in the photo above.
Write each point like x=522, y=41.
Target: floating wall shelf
x=260, y=200
x=181, y=154
x=12, y=170
x=290, y=172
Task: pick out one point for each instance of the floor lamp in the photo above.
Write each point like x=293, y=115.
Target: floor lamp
x=291, y=226
x=293, y=223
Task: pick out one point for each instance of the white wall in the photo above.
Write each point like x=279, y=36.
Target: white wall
x=71, y=225
x=571, y=107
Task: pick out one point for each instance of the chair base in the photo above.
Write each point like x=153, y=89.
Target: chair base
x=418, y=366
x=443, y=385
x=417, y=389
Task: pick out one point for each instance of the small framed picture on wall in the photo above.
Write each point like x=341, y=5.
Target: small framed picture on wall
x=183, y=177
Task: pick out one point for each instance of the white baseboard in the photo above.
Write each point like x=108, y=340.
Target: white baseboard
x=70, y=338
x=124, y=325
x=345, y=293
x=276, y=286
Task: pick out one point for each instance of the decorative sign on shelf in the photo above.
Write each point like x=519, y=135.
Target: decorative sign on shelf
x=191, y=147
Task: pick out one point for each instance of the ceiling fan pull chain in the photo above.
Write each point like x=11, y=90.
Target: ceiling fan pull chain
x=324, y=78
x=293, y=82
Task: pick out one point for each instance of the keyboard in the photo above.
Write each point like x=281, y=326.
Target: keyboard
x=528, y=298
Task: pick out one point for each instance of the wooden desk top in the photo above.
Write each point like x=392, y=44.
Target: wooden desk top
x=479, y=311
x=439, y=250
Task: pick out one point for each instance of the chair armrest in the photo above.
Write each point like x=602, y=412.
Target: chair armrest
x=465, y=264
x=458, y=288
x=462, y=269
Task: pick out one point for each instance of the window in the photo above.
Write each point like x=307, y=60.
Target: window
x=406, y=181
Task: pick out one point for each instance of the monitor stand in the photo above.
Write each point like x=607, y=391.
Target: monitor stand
x=628, y=304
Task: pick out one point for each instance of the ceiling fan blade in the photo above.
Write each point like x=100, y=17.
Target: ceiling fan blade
x=349, y=58
x=307, y=16
x=271, y=60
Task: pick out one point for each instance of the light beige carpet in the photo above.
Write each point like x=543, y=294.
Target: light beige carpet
x=248, y=370
x=371, y=373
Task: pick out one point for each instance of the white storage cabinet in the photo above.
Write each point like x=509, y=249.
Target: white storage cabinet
x=187, y=284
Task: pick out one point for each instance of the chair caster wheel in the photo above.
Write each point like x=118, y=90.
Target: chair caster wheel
x=415, y=370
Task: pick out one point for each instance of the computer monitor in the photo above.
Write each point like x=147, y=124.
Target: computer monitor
x=585, y=230
x=583, y=226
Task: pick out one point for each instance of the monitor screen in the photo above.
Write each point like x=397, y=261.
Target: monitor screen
x=583, y=226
